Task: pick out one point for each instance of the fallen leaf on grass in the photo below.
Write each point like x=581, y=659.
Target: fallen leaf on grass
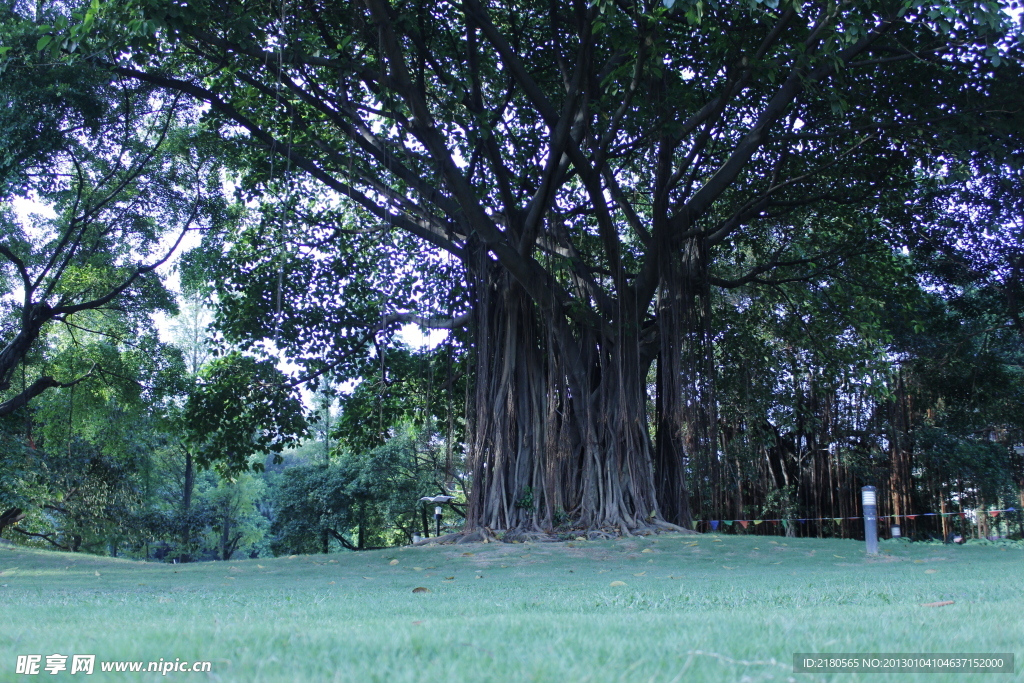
x=329, y=561
x=603, y=571
x=449, y=578
x=724, y=567
x=97, y=573
x=330, y=583
x=292, y=557
x=640, y=574
x=393, y=562
x=367, y=578
x=164, y=600
x=421, y=589
x=417, y=569
x=617, y=583
x=479, y=577
x=260, y=566
x=940, y=603
x=417, y=623
x=230, y=577
x=580, y=538
x=841, y=557
x=776, y=563
x=930, y=571
x=466, y=554
x=647, y=550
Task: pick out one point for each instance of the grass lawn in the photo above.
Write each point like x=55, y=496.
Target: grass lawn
x=715, y=608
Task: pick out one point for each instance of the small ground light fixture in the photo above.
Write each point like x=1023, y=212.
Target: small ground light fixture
x=867, y=496
x=437, y=508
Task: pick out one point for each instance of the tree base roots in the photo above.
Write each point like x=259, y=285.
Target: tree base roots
x=485, y=535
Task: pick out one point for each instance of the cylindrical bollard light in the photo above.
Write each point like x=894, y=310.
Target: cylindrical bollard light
x=867, y=496
x=895, y=531
x=437, y=516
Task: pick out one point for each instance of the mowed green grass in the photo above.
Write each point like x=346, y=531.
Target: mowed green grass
x=714, y=608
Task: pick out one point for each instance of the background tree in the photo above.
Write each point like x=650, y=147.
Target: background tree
x=122, y=179
x=361, y=500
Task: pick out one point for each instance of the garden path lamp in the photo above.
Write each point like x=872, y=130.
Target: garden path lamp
x=867, y=496
x=437, y=509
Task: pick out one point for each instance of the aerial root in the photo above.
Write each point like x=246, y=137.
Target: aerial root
x=440, y=540
x=669, y=526
x=481, y=535
x=523, y=535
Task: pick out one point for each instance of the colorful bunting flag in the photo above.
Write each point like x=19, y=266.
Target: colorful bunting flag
x=714, y=523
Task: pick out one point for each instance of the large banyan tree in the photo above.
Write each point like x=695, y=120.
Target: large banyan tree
x=597, y=170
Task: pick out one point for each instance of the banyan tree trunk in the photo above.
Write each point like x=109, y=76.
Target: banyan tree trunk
x=560, y=423
x=559, y=427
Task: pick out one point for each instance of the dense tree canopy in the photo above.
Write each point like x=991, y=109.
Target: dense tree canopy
x=597, y=172
x=695, y=257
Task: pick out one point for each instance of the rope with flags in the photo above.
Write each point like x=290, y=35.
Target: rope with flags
x=745, y=523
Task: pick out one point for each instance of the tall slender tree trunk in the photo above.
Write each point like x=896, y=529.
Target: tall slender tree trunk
x=186, y=505
x=225, y=534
